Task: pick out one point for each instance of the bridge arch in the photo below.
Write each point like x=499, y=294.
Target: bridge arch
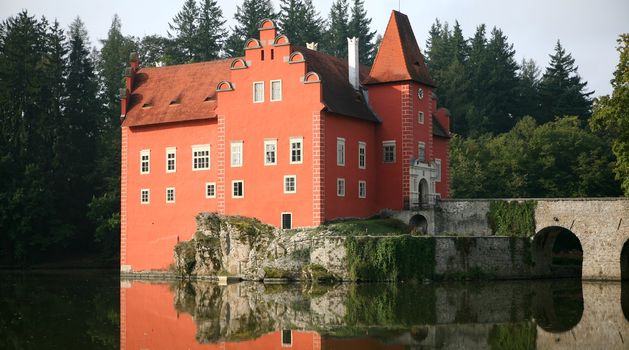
x=419, y=223
x=557, y=252
x=558, y=305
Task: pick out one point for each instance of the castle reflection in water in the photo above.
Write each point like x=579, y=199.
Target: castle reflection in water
x=558, y=314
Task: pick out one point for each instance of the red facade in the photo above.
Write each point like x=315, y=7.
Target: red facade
x=280, y=134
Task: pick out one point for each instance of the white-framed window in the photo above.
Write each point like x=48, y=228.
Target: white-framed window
x=258, y=92
x=210, y=190
x=287, y=334
x=236, y=153
x=171, y=159
x=340, y=187
x=270, y=152
x=145, y=196
x=170, y=195
x=200, y=157
x=145, y=161
x=362, y=189
x=388, y=151
x=438, y=165
x=362, y=155
x=290, y=184
x=296, y=150
x=420, y=117
x=340, y=151
x=238, y=189
x=421, y=152
x=287, y=221
x=276, y=90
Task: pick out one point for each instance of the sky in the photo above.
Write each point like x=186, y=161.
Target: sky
x=588, y=29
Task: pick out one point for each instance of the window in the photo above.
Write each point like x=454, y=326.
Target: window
x=238, y=189
x=340, y=187
x=388, y=151
x=170, y=195
x=420, y=117
x=362, y=189
x=171, y=159
x=145, y=196
x=270, y=152
x=438, y=166
x=362, y=155
x=145, y=161
x=421, y=152
x=340, y=151
x=201, y=157
x=290, y=184
x=258, y=91
x=210, y=190
x=287, y=337
x=276, y=90
x=236, y=153
x=287, y=222
x=296, y=144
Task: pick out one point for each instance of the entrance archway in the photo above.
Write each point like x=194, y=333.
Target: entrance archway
x=423, y=193
x=419, y=224
x=557, y=252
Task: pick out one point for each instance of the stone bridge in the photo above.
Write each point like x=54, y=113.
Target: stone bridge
x=600, y=224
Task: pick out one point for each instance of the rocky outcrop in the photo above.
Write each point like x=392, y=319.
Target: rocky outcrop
x=245, y=247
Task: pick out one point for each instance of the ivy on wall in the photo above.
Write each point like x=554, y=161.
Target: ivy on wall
x=511, y=218
x=397, y=258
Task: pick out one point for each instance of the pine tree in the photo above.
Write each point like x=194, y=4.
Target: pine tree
x=313, y=24
x=338, y=29
x=478, y=68
x=185, y=28
x=528, y=89
x=359, y=27
x=248, y=17
x=291, y=19
x=561, y=90
x=211, y=34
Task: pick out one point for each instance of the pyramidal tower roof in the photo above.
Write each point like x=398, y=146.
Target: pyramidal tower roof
x=399, y=58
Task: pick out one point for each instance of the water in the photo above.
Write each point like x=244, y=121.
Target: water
x=95, y=310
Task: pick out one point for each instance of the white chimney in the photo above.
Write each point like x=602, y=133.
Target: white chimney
x=352, y=62
x=312, y=46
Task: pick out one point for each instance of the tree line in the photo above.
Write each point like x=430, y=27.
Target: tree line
x=60, y=110
x=521, y=132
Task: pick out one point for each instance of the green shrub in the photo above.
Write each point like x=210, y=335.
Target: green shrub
x=516, y=219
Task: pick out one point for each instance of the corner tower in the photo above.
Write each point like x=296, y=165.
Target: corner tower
x=401, y=93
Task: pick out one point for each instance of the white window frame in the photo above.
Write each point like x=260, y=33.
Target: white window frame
x=255, y=83
x=340, y=181
x=174, y=194
x=420, y=117
x=243, y=189
x=299, y=140
x=147, y=153
x=294, y=177
x=202, y=148
x=233, y=161
x=421, y=145
x=276, y=99
x=267, y=143
x=362, y=158
x=362, y=194
x=282, y=220
x=173, y=151
x=438, y=166
x=148, y=196
x=207, y=185
x=384, y=146
x=340, y=151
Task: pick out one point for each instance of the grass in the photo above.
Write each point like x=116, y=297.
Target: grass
x=372, y=227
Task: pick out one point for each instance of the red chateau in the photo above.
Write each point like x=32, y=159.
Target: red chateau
x=286, y=134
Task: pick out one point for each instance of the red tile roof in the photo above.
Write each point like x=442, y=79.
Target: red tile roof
x=175, y=93
x=339, y=95
x=438, y=129
x=399, y=57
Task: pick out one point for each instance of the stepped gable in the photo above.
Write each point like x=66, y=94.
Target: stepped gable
x=175, y=93
x=399, y=57
x=338, y=94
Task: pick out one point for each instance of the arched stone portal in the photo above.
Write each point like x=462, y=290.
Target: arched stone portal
x=423, y=193
x=557, y=252
x=419, y=224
